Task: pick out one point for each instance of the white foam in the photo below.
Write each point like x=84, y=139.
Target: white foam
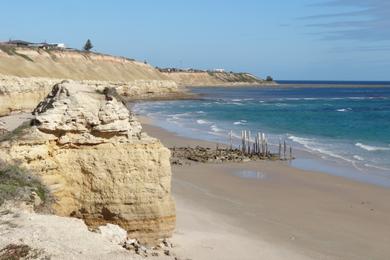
x=311, y=145
x=371, y=148
x=202, y=122
x=344, y=109
x=241, y=122
x=359, y=158
x=377, y=167
x=214, y=128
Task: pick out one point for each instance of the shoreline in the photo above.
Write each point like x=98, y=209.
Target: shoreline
x=292, y=213
x=308, y=160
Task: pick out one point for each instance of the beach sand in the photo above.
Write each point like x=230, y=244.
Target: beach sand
x=269, y=210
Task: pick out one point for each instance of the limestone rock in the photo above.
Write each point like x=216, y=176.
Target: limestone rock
x=22, y=94
x=83, y=119
x=90, y=153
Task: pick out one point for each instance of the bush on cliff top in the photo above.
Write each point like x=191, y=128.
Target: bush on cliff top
x=18, y=185
x=16, y=133
x=11, y=50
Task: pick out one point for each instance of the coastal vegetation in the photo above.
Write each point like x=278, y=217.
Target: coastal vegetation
x=16, y=133
x=18, y=185
x=88, y=45
x=11, y=50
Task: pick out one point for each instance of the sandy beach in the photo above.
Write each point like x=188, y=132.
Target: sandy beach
x=269, y=210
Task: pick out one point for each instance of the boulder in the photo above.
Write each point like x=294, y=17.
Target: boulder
x=113, y=233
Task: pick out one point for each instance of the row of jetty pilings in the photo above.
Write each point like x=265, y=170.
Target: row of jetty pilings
x=257, y=144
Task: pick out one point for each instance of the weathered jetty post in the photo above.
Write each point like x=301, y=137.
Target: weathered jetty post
x=280, y=149
x=231, y=139
x=242, y=141
x=249, y=142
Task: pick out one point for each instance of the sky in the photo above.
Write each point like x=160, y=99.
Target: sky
x=287, y=39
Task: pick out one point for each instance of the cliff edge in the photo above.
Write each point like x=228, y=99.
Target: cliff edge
x=213, y=78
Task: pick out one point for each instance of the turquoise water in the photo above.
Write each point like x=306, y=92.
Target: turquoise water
x=348, y=125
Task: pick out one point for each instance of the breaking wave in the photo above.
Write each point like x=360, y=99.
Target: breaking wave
x=372, y=148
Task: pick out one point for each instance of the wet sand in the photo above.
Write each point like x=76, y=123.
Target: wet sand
x=269, y=210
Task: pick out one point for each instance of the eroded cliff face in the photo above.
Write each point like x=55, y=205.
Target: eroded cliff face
x=204, y=79
x=23, y=94
x=75, y=65
x=99, y=166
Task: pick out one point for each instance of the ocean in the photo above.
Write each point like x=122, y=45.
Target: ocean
x=345, y=129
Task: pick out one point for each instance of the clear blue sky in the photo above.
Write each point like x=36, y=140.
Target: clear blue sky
x=288, y=39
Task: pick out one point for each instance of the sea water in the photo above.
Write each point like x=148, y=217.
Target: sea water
x=347, y=125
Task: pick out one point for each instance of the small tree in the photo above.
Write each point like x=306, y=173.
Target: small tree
x=269, y=78
x=88, y=45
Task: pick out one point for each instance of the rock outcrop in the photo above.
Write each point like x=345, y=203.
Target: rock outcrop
x=99, y=166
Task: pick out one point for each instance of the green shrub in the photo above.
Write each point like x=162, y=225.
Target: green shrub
x=17, y=184
x=16, y=133
x=11, y=50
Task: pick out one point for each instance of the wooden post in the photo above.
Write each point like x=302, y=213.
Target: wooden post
x=254, y=145
x=231, y=140
x=284, y=149
x=245, y=144
x=242, y=141
x=249, y=142
x=280, y=149
x=262, y=144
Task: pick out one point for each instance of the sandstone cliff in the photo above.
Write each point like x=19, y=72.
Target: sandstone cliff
x=23, y=94
x=29, y=62
x=97, y=163
x=203, y=79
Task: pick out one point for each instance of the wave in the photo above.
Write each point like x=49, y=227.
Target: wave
x=241, y=122
x=344, y=109
x=214, y=128
x=372, y=148
x=310, y=144
x=329, y=98
x=203, y=122
x=377, y=167
x=234, y=103
x=359, y=158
